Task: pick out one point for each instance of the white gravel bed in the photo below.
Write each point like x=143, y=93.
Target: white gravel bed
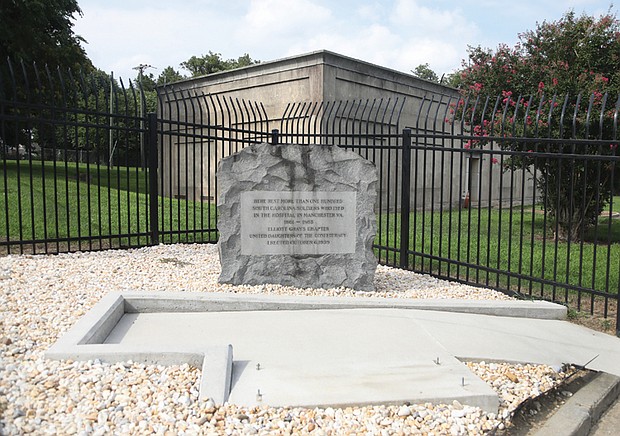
x=43, y=296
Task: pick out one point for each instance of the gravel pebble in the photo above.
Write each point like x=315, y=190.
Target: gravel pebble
x=41, y=297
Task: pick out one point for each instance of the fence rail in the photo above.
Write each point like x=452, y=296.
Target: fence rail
x=518, y=194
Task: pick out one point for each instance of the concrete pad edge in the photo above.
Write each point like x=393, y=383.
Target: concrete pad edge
x=91, y=328
x=208, y=302
x=583, y=409
x=217, y=374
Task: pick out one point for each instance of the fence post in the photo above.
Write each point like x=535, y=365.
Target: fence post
x=275, y=137
x=153, y=188
x=405, y=194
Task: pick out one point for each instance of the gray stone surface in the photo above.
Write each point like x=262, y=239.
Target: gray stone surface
x=308, y=208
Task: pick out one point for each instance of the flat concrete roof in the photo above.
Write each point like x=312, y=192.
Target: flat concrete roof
x=311, y=58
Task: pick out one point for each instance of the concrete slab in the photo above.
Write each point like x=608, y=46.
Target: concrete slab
x=311, y=351
x=335, y=357
x=549, y=342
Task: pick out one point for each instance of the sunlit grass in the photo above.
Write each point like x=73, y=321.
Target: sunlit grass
x=58, y=202
x=504, y=249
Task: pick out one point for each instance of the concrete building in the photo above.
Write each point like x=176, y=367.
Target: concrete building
x=319, y=92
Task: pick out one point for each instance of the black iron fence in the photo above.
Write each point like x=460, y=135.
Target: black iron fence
x=517, y=193
x=76, y=181
x=194, y=131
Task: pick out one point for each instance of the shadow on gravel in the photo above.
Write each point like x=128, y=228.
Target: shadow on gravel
x=532, y=414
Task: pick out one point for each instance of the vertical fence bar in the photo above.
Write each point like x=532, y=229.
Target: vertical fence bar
x=188, y=141
x=275, y=136
x=153, y=194
x=405, y=191
x=4, y=109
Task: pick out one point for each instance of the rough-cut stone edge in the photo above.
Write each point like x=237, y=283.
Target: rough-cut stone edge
x=264, y=178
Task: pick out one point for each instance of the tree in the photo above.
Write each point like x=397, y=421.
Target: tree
x=572, y=55
x=36, y=31
x=423, y=71
x=148, y=82
x=571, y=66
x=243, y=61
x=41, y=31
x=169, y=75
x=213, y=63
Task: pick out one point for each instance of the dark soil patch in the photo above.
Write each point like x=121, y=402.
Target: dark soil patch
x=534, y=412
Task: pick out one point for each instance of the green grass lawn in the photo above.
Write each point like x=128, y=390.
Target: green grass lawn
x=520, y=242
x=57, y=201
x=615, y=205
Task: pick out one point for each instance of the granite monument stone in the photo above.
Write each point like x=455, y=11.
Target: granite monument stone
x=297, y=215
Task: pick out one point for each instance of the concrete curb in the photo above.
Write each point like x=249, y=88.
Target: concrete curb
x=584, y=409
x=144, y=302
x=217, y=374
